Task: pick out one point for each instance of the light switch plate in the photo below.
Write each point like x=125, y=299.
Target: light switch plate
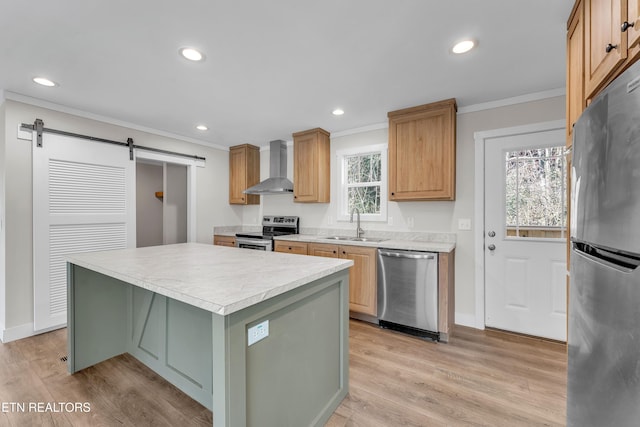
x=257, y=332
x=464, y=224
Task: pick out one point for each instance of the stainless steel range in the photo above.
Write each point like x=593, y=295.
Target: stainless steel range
x=271, y=226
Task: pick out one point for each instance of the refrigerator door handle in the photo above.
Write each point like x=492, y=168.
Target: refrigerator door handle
x=618, y=261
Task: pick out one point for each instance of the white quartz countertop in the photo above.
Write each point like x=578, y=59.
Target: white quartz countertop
x=218, y=279
x=391, y=243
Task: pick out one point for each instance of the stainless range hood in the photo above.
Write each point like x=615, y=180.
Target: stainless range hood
x=277, y=183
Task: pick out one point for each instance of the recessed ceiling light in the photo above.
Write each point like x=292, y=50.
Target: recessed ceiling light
x=463, y=46
x=192, y=54
x=44, y=81
x=202, y=127
x=338, y=112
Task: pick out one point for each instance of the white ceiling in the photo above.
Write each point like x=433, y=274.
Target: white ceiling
x=274, y=67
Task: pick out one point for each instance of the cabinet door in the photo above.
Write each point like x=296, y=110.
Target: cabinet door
x=305, y=165
x=311, y=166
x=323, y=249
x=244, y=172
x=299, y=248
x=575, y=66
x=633, y=18
x=605, y=44
x=422, y=152
x=362, y=279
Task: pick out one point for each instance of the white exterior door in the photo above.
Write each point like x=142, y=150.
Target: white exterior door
x=525, y=234
x=83, y=200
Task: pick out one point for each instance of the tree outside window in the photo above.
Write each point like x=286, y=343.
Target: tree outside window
x=535, y=192
x=364, y=183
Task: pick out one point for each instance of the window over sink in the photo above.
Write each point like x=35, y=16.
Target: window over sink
x=363, y=182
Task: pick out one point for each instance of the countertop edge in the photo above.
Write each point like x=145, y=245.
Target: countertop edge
x=417, y=245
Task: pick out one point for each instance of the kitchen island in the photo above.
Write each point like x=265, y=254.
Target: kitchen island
x=260, y=338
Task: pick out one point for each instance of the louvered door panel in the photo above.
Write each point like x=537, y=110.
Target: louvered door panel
x=84, y=201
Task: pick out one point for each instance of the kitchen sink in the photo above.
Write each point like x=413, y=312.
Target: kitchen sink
x=367, y=239
x=355, y=239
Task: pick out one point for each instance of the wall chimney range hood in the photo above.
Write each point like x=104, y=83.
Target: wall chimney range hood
x=277, y=183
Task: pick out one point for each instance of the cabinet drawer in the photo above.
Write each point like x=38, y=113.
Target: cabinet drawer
x=290, y=247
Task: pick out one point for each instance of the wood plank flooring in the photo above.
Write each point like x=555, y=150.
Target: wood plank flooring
x=480, y=378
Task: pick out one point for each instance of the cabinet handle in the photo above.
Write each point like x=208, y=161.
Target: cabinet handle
x=610, y=47
x=335, y=252
x=289, y=247
x=393, y=194
x=626, y=25
x=344, y=253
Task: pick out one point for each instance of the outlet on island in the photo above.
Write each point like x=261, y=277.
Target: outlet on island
x=258, y=332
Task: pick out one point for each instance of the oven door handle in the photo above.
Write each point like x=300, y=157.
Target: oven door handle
x=253, y=242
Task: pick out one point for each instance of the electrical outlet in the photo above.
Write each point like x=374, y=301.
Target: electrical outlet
x=464, y=224
x=258, y=332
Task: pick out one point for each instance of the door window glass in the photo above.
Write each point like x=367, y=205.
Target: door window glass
x=535, y=189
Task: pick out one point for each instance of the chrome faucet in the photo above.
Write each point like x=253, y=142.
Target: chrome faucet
x=359, y=231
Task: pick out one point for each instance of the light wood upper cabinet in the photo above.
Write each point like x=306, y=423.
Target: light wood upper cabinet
x=290, y=247
x=244, y=172
x=422, y=152
x=363, y=285
x=575, y=71
x=632, y=26
x=605, y=43
x=311, y=166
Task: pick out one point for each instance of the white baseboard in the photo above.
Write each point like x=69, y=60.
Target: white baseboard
x=23, y=331
x=464, y=319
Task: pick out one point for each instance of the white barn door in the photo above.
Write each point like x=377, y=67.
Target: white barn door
x=83, y=200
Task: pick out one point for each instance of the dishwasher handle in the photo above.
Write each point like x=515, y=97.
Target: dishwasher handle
x=410, y=255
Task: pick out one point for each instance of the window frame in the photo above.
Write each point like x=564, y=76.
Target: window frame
x=342, y=190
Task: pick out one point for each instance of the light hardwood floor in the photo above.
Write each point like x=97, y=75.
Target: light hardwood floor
x=480, y=378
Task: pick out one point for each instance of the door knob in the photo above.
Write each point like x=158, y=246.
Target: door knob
x=492, y=247
x=492, y=234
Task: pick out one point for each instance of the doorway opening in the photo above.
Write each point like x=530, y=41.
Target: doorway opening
x=161, y=203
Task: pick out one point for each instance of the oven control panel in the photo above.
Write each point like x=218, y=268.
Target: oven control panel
x=281, y=221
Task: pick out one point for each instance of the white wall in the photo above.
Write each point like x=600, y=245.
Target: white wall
x=212, y=187
x=428, y=216
x=175, y=204
x=148, y=207
x=2, y=216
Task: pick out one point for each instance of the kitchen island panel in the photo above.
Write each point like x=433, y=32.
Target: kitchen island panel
x=205, y=354
x=98, y=311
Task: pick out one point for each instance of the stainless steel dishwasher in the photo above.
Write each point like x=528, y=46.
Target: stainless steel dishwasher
x=408, y=291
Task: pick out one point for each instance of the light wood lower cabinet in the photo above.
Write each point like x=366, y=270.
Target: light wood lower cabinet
x=224, y=240
x=362, y=276
x=290, y=247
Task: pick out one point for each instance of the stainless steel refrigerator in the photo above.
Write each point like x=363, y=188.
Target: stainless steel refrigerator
x=604, y=294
